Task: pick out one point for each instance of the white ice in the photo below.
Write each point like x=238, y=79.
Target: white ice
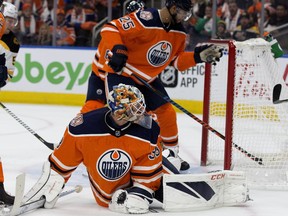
x=22, y=152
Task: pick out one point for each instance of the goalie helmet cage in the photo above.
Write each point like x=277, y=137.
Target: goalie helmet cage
x=238, y=103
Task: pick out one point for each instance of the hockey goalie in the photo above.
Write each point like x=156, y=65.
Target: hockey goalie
x=120, y=147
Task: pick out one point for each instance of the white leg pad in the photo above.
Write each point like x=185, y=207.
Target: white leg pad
x=189, y=192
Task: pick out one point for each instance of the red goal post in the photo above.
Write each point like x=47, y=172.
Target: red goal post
x=238, y=103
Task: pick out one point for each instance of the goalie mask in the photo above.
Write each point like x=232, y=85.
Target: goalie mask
x=126, y=102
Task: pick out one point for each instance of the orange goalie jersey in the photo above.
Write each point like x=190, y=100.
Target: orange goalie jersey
x=115, y=157
x=151, y=48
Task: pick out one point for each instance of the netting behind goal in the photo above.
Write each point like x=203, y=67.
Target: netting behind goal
x=238, y=104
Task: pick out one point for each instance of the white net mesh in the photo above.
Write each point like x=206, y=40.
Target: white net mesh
x=259, y=126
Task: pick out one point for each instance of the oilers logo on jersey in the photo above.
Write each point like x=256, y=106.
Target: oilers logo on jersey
x=114, y=164
x=159, y=54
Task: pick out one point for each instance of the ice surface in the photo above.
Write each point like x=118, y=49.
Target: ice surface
x=22, y=152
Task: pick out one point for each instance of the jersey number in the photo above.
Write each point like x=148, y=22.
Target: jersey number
x=127, y=23
x=154, y=154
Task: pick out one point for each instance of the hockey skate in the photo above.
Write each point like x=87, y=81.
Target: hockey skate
x=176, y=160
x=5, y=198
x=184, y=164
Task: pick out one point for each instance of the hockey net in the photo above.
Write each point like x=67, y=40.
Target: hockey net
x=238, y=104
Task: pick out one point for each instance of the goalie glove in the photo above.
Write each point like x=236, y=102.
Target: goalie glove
x=208, y=53
x=49, y=186
x=123, y=202
x=118, y=58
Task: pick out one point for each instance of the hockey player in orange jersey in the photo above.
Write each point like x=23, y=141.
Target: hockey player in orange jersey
x=145, y=43
x=118, y=145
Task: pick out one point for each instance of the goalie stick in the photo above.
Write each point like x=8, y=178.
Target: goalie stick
x=36, y=204
x=276, y=94
x=204, y=124
x=19, y=192
x=51, y=146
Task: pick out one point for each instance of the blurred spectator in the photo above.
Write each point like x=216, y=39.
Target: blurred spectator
x=83, y=20
x=48, y=13
x=204, y=25
x=222, y=8
x=37, y=7
x=280, y=17
x=44, y=36
x=17, y=4
x=232, y=19
x=69, y=4
x=101, y=9
x=280, y=2
x=27, y=25
x=65, y=35
x=244, y=4
x=256, y=7
x=266, y=19
x=199, y=8
x=247, y=28
x=221, y=32
x=89, y=4
x=38, y=4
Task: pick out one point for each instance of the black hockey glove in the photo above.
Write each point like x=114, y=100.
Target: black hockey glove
x=208, y=53
x=3, y=70
x=3, y=75
x=118, y=60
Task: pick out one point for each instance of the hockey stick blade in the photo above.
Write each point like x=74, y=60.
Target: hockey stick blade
x=204, y=124
x=51, y=146
x=19, y=192
x=40, y=203
x=276, y=94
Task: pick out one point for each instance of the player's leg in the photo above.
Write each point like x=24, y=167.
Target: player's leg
x=166, y=116
x=4, y=197
x=95, y=97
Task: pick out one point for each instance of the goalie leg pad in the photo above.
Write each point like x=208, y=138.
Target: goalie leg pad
x=123, y=202
x=189, y=192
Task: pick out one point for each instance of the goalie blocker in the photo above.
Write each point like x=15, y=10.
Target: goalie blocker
x=190, y=192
